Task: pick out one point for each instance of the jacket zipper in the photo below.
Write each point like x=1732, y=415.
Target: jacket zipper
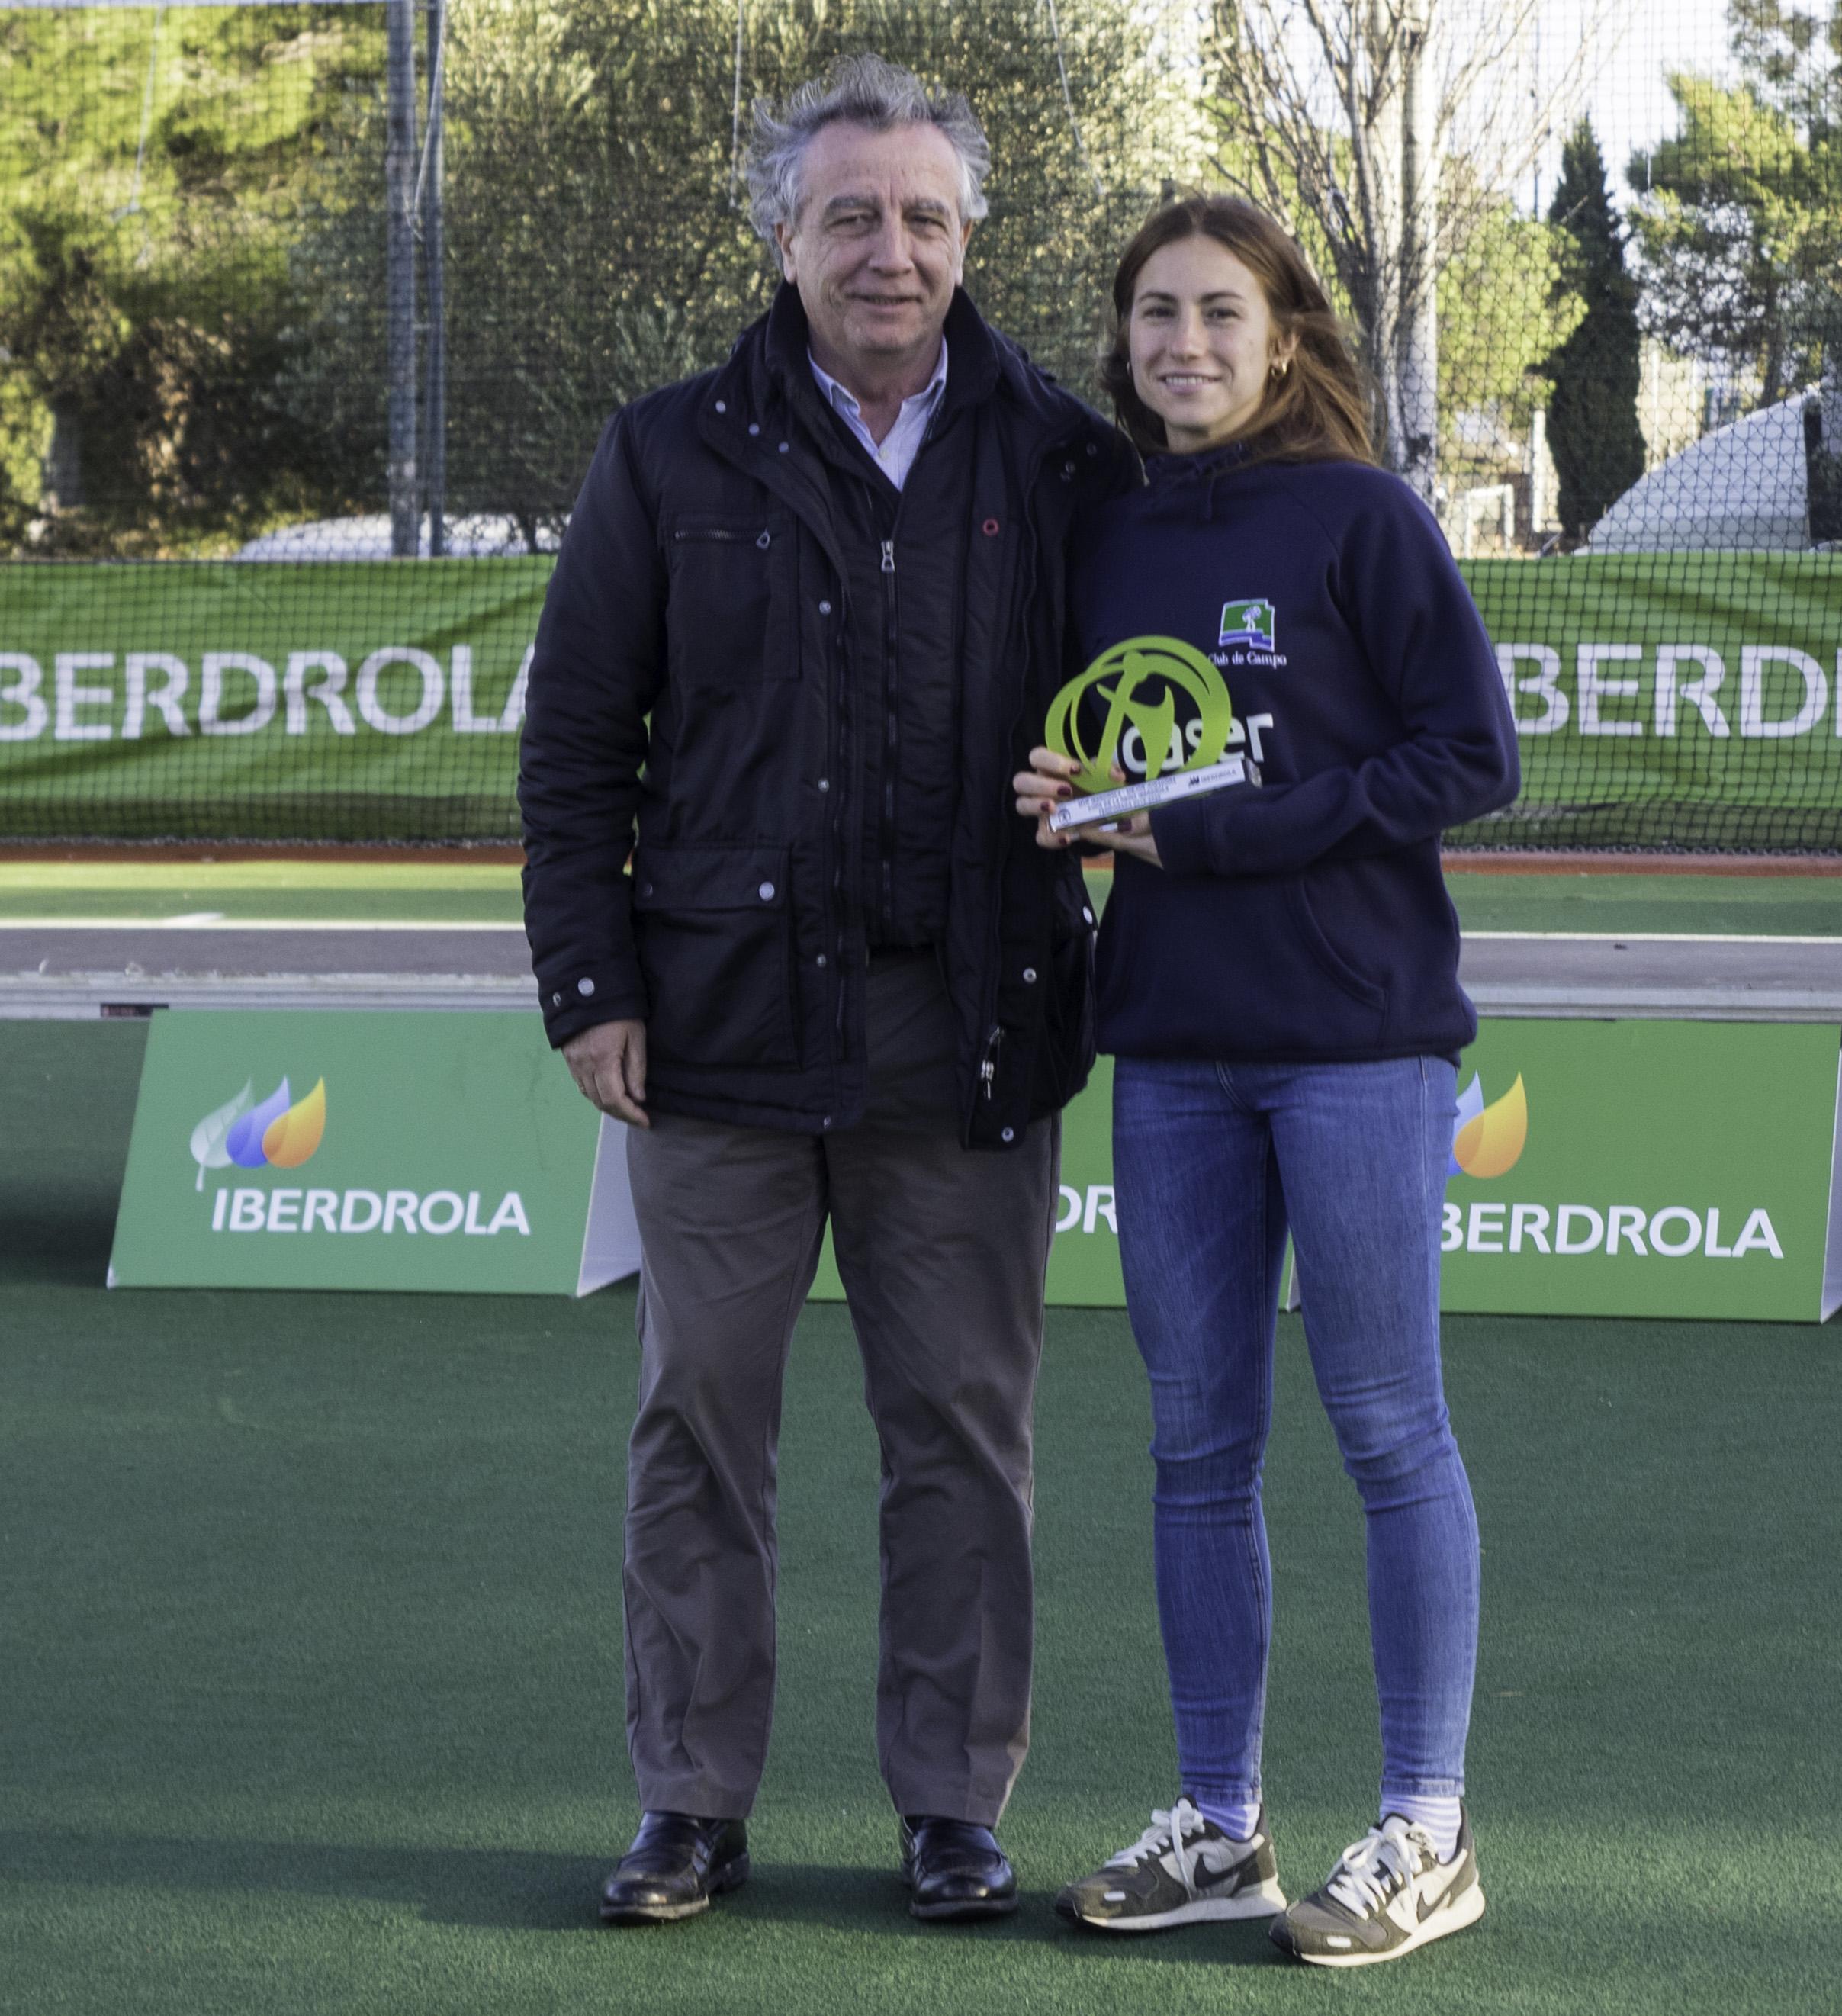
x=988, y=1061
x=837, y=845
x=763, y=468
x=891, y=737
x=891, y=693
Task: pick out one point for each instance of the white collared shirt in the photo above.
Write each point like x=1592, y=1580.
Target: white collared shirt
x=895, y=456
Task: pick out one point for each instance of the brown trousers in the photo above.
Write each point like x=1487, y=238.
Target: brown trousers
x=943, y=1254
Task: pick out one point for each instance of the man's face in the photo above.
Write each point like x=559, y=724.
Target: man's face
x=878, y=246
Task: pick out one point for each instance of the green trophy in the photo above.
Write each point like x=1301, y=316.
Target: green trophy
x=1154, y=706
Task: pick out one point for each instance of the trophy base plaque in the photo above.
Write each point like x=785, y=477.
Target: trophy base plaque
x=1104, y=806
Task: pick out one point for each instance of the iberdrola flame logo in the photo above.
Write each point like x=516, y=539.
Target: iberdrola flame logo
x=1488, y=1140
x=277, y=1134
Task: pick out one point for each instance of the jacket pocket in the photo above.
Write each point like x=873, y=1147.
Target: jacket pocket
x=731, y=598
x=1066, y=1055
x=713, y=931
x=1335, y=966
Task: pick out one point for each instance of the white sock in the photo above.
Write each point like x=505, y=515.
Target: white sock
x=1439, y=1816
x=1236, y=1818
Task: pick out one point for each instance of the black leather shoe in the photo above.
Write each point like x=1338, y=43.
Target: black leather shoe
x=954, y=1870
x=676, y=1865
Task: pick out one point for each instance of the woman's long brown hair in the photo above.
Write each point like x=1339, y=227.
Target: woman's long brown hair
x=1319, y=410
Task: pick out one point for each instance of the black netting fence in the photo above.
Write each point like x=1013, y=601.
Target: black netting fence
x=310, y=315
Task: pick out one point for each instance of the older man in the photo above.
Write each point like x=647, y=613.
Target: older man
x=804, y=628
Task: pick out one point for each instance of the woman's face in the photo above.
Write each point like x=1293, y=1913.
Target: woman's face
x=1202, y=343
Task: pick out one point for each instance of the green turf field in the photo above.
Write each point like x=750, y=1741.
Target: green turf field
x=435, y=892
x=1771, y=906
x=310, y=1658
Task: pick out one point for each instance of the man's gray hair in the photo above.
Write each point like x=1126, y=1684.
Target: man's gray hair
x=868, y=91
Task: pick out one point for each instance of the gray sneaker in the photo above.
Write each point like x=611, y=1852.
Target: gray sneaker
x=1181, y=1869
x=1389, y=1893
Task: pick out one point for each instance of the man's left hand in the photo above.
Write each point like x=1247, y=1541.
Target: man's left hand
x=608, y=1062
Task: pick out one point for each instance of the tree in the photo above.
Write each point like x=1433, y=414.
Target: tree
x=1503, y=301
x=1593, y=423
x=1384, y=136
x=1739, y=225
x=142, y=262
x=1792, y=59
x=598, y=238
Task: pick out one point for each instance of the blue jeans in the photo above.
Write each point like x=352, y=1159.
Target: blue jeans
x=1211, y=1164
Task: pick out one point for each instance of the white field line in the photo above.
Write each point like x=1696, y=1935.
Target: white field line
x=1660, y=937
x=200, y=878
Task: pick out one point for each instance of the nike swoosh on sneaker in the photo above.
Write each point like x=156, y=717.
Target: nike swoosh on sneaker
x=1427, y=1905
x=1202, y=1877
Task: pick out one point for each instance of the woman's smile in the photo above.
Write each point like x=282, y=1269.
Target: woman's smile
x=1202, y=343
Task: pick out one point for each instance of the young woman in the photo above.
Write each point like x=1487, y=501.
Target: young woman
x=1278, y=981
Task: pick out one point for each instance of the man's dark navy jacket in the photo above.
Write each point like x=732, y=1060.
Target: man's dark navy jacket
x=698, y=681
x=1306, y=919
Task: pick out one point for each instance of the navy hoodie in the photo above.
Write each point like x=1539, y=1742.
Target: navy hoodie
x=1307, y=919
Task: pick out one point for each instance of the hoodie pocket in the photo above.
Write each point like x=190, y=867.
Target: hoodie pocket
x=1335, y=967
x=1235, y=969
x=713, y=931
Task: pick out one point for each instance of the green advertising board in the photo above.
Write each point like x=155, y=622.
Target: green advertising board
x=1598, y=1168
x=1685, y=681
x=1645, y=1168
x=324, y=1149
x=361, y=700
x=382, y=700
x=1637, y=1167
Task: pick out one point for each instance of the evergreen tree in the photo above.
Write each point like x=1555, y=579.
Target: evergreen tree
x=192, y=333
x=1792, y=59
x=1739, y=222
x=153, y=165
x=1592, y=424
x=597, y=236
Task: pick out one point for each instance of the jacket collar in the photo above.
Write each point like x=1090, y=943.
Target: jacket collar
x=786, y=341
x=748, y=406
